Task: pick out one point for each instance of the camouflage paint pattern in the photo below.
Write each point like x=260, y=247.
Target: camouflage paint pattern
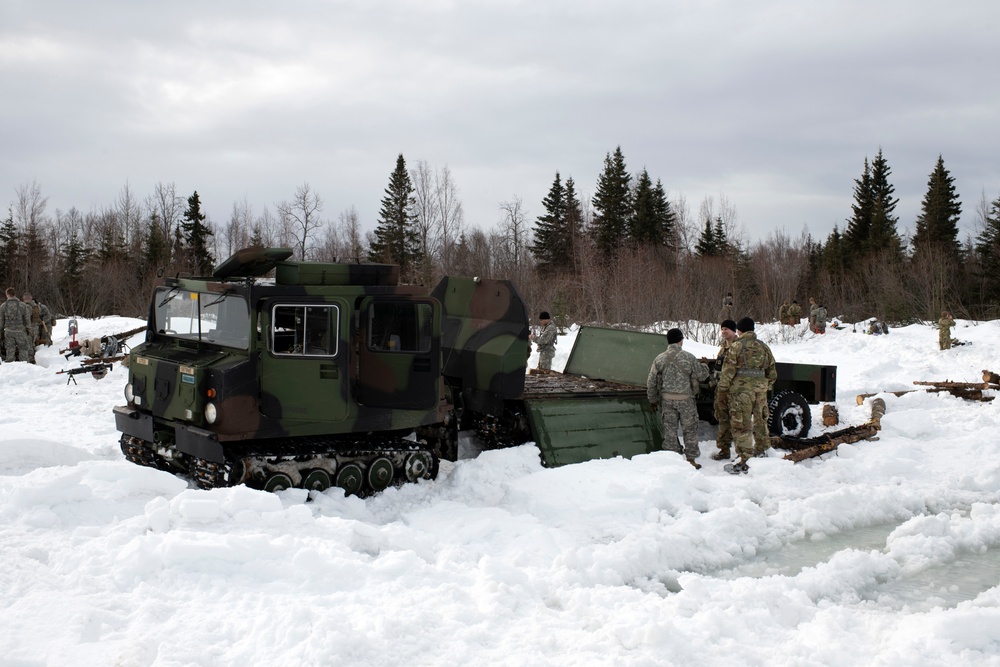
x=374, y=367
x=484, y=341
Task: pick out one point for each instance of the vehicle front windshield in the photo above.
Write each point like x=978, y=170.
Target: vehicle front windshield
x=211, y=317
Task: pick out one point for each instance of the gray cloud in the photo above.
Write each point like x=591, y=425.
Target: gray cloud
x=773, y=105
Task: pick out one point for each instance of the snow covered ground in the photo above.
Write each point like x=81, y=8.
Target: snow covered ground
x=883, y=553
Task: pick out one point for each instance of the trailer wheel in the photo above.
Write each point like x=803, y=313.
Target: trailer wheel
x=789, y=415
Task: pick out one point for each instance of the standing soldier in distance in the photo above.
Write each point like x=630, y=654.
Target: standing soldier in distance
x=724, y=437
x=35, y=325
x=727, y=306
x=794, y=313
x=944, y=330
x=546, y=341
x=783, y=313
x=820, y=319
x=14, y=323
x=748, y=373
x=48, y=322
x=812, y=314
x=673, y=382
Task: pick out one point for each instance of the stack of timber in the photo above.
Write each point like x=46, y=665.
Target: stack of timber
x=970, y=391
x=805, y=448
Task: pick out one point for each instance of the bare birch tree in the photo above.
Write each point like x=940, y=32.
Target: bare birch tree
x=303, y=215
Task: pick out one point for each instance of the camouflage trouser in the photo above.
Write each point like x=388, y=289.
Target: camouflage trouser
x=32, y=337
x=944, y=339
x=748, y=416
x=724, y=438
x=545, y=357
x=685, y=412
x=17, y=344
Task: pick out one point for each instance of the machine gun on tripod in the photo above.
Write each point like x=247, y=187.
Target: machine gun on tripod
x=97, y=368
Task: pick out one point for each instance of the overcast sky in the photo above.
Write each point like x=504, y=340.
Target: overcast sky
x=772, y=105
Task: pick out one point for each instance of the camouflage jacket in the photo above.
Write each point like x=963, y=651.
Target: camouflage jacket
x=547, y=339
x=674, y=374
x=795, y=310
x=945, y=324
x=783, y=312
x=820, y=315
x=13, y=315
x=748, y=358
x=47, y=316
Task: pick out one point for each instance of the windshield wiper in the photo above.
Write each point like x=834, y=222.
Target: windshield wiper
x=172, y=294
x=220, y=299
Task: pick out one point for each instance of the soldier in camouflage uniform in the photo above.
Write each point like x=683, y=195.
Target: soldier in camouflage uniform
x=748, y=373
x=794, y=313
x=724, y=437
x=672, y=384
x=546, y=342
x=15, y=323
x=944, y=330
x=48, y=322
x=35, y=327
x=783, y=312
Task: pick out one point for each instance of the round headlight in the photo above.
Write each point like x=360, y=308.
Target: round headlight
x=211, y=414
x=129, y=396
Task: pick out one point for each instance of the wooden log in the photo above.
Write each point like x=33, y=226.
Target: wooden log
x=861, y=397
x=855, y=434
x=830, y=415
x=948, y=384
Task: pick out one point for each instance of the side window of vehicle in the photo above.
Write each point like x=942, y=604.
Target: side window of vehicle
x=400, y=326
x=305, y=331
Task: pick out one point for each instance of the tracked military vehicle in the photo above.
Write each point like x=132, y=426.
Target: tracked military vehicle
x=322, y=376
x=336, y=375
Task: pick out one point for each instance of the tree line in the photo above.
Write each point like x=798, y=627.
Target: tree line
x=626, y=255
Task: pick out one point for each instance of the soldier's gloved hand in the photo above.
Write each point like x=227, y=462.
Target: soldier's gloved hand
x=654, y=406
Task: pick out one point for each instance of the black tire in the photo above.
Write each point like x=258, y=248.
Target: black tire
x=789, y=415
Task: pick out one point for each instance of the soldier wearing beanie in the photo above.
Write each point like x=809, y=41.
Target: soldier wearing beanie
x=724, y=436
x=748, y=373
x=673, y=382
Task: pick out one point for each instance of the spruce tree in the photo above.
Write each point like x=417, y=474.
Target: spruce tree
x=988, y=252
x=75, y=256
x=549, y=228
x=647, y=224
x=572, y=229
x=883, y=236
x=722, y=245
x=196, y=235
x=872, y=225
x=10, y=247
x=612, y=205
x=667, y=219
x=937, y=224
x=155, y=250
x=859, y=225
x=707, y=245
x=396, y=238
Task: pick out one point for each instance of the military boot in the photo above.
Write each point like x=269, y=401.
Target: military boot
x=738, y=468
x=697, y=466
x=721, y=455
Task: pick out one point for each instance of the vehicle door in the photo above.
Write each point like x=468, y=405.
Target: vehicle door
x=399, y=354
x=305, y=361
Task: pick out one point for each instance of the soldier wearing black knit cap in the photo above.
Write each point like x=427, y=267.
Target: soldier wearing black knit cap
x=747, y=374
